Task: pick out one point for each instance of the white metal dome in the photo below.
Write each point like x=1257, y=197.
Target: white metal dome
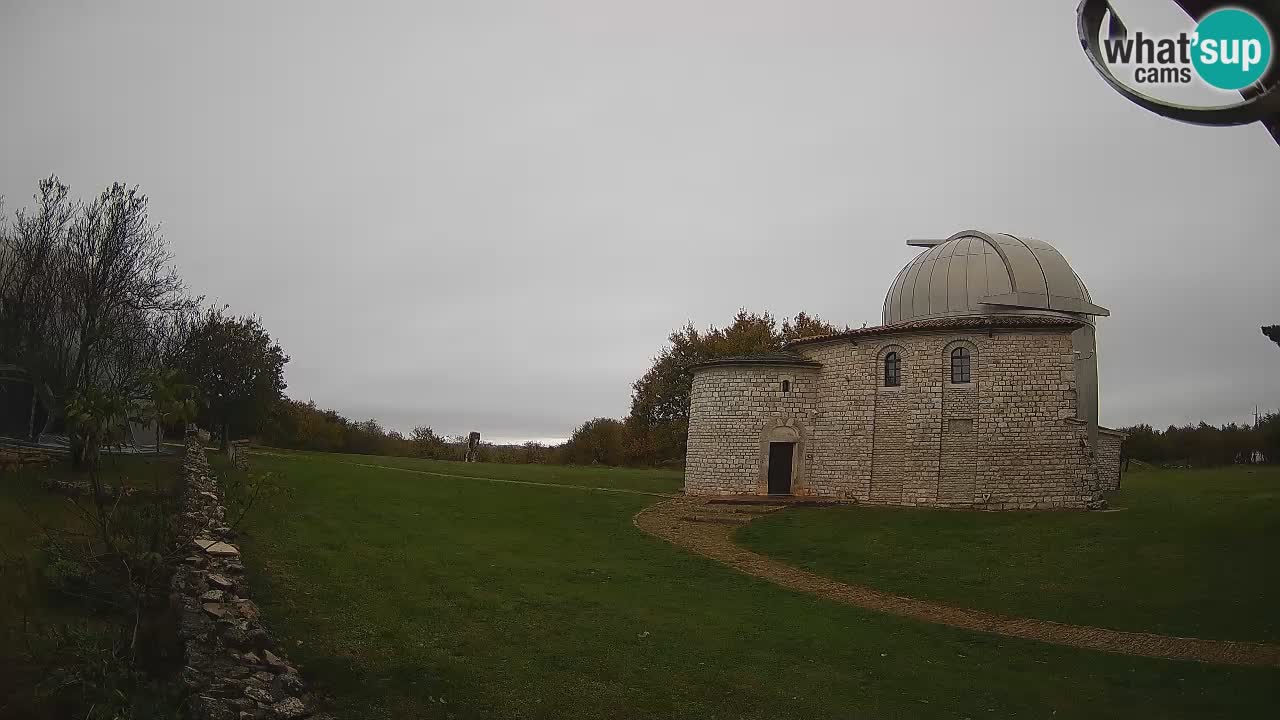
x=980, y=273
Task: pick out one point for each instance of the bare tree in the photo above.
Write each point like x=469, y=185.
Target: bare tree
x=30, y=257
x=117, y=278
x=89, y=298
x=118, y=275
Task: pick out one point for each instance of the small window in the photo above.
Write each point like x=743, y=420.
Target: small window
x=960, y=365
x=892, y=370
x=786, y=386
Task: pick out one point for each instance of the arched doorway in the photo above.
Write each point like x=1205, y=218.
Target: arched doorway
x=780, y=473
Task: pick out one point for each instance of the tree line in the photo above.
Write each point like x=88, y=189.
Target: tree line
x=304, y=426
x=1205, y=445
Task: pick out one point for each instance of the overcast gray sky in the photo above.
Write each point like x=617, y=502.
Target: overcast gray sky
x=489, y=215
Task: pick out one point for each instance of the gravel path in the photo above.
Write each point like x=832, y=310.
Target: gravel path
x=707, y=529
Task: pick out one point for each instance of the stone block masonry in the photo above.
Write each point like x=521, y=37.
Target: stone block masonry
x=733, y=410
x=1008, y=439
x=234, y=670
x=1110, y=453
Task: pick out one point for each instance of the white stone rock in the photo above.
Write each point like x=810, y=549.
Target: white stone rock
x=216, y=548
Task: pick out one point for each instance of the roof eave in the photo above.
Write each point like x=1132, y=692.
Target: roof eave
x=806, y=364
x=979, y=322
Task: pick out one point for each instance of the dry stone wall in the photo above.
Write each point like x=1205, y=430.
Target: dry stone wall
x=16, y=458
x=1006, y=440
x=233, y=668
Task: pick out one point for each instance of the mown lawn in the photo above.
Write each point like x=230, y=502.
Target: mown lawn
x=409, y=595
x=1191, y=553
x=654, y=481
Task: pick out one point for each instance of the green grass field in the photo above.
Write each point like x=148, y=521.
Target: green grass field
x=654, y=481
x=1191, y=553
x=414, y=595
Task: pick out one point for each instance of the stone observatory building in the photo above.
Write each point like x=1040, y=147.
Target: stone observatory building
x=979, y=390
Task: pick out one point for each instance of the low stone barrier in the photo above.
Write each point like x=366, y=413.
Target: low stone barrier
x=233, y=668
x=72, y=488
x=15, y=458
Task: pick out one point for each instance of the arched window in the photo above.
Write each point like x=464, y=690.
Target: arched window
x=960, y=365
x=892, y=370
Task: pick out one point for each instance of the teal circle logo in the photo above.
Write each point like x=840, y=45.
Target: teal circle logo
x=1232, y=49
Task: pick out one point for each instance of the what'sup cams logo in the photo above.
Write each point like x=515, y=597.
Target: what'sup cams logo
x=1229, y=49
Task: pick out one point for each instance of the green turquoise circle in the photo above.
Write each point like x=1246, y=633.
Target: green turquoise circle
x=1232, y=49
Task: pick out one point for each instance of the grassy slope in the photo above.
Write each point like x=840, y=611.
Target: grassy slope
x=1193, y=553
x=518, y=601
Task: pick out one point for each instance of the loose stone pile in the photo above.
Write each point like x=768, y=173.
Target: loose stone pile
x=232, y=669
x=72, y=488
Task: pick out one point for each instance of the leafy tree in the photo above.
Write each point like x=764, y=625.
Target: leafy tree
x=597, y=442
x=1204, y=444
x=426, y=443
x=303, y=426
x=805, y=325
x=238, y=369
x=98, y=417
x=1269, y=440
x=534, y=453
x=167, y=401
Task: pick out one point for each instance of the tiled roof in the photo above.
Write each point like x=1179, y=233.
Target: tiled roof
x=765, y=358
x=959, y=322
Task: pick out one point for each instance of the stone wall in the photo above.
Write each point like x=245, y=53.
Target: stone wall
x=16, y=458
x=1007, y=440
x=1110, y=453
x=733, y=411
x=234, y=670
